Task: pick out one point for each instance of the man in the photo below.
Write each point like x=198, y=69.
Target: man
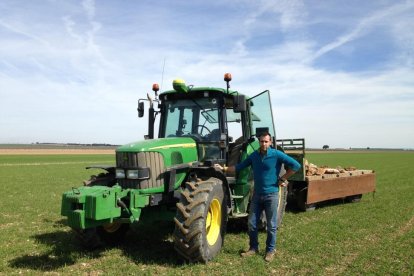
x=266, y=163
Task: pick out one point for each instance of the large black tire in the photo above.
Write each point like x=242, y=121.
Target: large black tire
x=103, y=179
x=301, y=201
x=354, y=198
x=281, y=207
x=108, y=234
x=201, y=219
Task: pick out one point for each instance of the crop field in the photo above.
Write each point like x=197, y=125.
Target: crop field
x=374, y=236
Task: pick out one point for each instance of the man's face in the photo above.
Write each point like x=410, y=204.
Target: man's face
x=265, y=142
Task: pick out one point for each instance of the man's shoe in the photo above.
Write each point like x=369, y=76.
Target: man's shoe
x=249, y=253
x=269, y=256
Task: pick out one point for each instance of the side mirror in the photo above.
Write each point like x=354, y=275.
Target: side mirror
x=140, y=109
x=239, y=103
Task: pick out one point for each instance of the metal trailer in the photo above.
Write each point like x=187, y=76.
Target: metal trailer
x=309, y=191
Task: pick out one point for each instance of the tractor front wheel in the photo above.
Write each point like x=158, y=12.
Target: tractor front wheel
x=111, y=234
x=201, y=219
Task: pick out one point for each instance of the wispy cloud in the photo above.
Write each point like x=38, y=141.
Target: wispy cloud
x=79, y=69
x=384, y=16
x=283, y=16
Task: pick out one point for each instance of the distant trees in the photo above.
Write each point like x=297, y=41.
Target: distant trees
x=325, y=147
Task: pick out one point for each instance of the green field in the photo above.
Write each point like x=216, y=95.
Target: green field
x=375, y=236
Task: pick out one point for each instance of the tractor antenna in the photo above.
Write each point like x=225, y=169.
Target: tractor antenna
x=162, y=76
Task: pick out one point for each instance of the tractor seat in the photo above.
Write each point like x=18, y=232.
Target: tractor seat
x=214, y=135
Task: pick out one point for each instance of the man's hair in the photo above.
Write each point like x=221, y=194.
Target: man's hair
x=265, y=133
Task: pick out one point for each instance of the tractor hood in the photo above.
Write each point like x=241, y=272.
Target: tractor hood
x=184, y=149
x=158, y=144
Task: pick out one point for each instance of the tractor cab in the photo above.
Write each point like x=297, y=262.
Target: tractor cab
x=198, y=118
x=219, y=120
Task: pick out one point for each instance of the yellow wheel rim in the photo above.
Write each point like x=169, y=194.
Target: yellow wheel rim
x=213, y=222
x=112, y=227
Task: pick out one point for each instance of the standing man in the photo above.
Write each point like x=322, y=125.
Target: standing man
x=266, y=163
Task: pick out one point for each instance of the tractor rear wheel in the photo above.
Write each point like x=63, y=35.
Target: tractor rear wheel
x=201, y=219
x=281, y=207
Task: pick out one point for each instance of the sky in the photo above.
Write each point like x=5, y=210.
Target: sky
x=340, y=73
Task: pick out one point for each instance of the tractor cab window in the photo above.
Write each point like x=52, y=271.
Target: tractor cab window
x=196, y=118
x=261, y=113
x=234, y=124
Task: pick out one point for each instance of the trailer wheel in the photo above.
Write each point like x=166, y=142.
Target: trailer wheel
x=301, y=201
x=111, y=234
x=201, y=219
x=354, y=198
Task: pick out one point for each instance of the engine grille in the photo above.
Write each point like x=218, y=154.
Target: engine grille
x=152, y=160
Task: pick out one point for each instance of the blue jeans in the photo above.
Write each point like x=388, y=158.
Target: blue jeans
x=268, y=203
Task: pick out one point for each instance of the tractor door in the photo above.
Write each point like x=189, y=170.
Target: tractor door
x=261, y=115
x=257, y=118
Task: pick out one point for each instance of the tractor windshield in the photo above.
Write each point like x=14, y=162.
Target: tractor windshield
x=197, y=118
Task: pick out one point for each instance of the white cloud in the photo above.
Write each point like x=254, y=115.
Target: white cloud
x=76, y=74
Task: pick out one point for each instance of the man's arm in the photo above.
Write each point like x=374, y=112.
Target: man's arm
x=283, y=179
x=292, y=166
x=231, y=170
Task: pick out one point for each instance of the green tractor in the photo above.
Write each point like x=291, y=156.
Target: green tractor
x=174, y=173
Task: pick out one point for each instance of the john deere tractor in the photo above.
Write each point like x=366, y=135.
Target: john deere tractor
x=198, y=128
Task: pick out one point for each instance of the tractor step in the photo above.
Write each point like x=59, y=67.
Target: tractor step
x=231, y=180
x=240, y=215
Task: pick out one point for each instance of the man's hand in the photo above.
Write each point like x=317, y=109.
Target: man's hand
x=283, y=182
x=218, y=167
x=227, y=170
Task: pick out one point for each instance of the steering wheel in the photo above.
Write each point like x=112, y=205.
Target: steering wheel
x=202, y=128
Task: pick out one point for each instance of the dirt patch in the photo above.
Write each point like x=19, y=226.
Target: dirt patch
x=55, y=151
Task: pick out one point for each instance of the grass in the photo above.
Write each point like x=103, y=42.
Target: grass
x=375, y=236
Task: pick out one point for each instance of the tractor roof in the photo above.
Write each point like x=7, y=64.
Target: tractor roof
x=192, y=89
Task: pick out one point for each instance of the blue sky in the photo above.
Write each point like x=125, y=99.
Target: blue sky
x=340, y=72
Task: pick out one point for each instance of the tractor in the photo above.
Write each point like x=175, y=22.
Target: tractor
x=198, y=127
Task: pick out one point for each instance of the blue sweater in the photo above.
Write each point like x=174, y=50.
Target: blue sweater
x=266, y=170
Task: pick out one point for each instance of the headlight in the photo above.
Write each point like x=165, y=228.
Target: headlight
x=132, y=174
x=141, y=173
x=120, y=173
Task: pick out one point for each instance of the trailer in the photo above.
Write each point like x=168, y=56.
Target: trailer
x=308, y=190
